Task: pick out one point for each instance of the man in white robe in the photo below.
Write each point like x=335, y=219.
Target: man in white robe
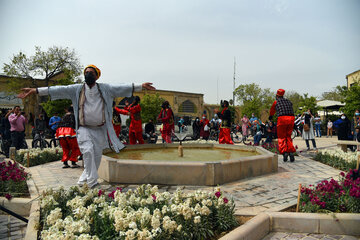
x=92, y=104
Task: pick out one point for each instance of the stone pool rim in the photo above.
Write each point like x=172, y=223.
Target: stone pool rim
x=204, y=173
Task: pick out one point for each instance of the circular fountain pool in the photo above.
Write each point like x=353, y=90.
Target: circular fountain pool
x=202, y=164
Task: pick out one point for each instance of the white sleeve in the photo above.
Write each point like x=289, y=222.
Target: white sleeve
x=137, y=88
x=43, y=91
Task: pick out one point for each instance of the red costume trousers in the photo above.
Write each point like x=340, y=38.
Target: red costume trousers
x=285, y=126
x=70, y=148
x=224, y=136
x=135, y=136
x=117, y=129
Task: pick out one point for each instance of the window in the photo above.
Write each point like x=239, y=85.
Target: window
x=187, y=107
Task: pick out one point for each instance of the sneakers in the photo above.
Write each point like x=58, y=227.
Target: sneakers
x=285, y=157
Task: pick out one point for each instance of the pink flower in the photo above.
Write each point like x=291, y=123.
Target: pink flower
x=153, y=197
x=8, y=196
x=225, y=200
x=342, y=174
x=101, y=192
x=218, y=194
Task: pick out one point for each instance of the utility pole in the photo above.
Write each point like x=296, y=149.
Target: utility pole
x=234, y=82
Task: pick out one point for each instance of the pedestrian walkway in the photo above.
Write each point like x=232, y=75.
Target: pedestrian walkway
x=11, y=228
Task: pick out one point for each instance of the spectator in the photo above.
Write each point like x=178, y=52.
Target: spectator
x=196, y=128
x=54, y=123
x=308, y=130
x=244, y=125
x=343, y=127
x=329, y=128
x=40, y=124
x=258, y=132
x=204, y=128
x=5, y=134
x=17, y=127
x=150, y=132
x=181, y=124
x=355, y=122
x=269, y=133
x=317, y=121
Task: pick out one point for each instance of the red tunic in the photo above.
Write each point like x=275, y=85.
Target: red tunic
x=167, y=119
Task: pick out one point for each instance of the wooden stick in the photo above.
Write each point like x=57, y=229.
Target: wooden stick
x=28, y=159
x=298, y=199
x=358, y=162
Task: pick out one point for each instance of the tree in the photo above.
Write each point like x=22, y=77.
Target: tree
x=43, y=65
x=351, y=99
x=306, y=103
x=150, y=107
x=295, y=98
x=253, y=99
x=337, y=94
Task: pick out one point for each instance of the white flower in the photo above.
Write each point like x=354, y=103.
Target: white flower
x=197, y=219
x=155, y=222
x=53, y=216
x=133, y=225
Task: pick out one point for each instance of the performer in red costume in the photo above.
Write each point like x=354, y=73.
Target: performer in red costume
x=167, y=118
x=225, y=128
x=67, y=139
x=135, y=129
x=285, y=124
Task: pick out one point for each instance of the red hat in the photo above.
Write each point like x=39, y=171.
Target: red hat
x=280, y=92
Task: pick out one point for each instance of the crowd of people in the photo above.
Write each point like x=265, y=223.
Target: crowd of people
x=93, y=123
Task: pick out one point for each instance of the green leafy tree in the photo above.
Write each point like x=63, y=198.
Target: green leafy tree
x=306, y=103
x=42, y=66
x=337, y=94
x=351, y=99
x=295, y=98
x=253, y=99
x=150, y=107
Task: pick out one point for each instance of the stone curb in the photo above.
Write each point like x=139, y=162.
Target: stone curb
x=34, y=220
x=259, y=226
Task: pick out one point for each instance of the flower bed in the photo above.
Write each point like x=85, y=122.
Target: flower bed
x=337, y=158
x=144, y=213
x=38, y=156
x=13, y=180
x=333, y=196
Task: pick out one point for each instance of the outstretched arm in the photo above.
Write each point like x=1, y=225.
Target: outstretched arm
x=26, y=92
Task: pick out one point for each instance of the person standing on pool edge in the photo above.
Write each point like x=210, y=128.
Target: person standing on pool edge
x=285, y=124
x=92, y=104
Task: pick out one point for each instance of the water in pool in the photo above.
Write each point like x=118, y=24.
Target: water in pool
x=190, y=154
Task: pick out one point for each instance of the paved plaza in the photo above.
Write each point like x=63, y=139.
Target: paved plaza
x=252, y=196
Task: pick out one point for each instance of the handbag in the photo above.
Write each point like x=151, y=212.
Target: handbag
x=206, y=128
x=306, y=127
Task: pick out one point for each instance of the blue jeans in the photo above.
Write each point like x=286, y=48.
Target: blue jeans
x=257, y=139
x=317, y=130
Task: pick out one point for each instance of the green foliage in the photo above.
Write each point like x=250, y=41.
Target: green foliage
x=352, y=100
x=150, y=107
x=295, y=98
x=56, y=106
x=253, y=99
x=38, y=156
x=337, y=94
x=13, y=180
x=306, y=103
x=335, y=162
x=43, y=65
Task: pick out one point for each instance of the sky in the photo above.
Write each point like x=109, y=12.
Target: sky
x=191, y=45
